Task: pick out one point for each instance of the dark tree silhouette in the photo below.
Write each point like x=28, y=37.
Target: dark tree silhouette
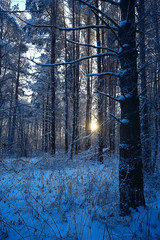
x=130, y=170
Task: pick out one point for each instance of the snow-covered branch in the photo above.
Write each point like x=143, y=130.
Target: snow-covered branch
x=116, y=118
x=80, y=27
x=103, y=74
x=124, y=121
x=74, y=61
x=107, y=95
x=62, y=28
x=93, y=46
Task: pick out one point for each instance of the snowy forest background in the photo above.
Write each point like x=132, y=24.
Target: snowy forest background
x=80, y=119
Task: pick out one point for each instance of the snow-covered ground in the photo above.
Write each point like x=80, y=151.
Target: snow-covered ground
x=48, y=198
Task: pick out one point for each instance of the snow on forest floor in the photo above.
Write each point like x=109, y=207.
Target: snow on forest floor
x=54, y=198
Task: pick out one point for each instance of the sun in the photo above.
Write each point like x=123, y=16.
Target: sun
x=94, y=125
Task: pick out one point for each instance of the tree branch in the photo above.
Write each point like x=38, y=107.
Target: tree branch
x=111, y=28
x=61, y=28
x=103, y=74
x=74, y=61
x=90, y=45
x=107, y=95
x=116, y=118
x=141, y=93
x=98, y=10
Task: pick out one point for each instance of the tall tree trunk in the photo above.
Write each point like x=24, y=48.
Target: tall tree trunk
x=13, y=127
x=1, y=117
x=73, y=87
x=146, y=144
x=77, y=147
x=66, y=102
x=100, y=85
x=46, y=123
x=131, y=169
x=1, y=35
x=156, y=118
x=75, y=71
x=156, y=83
x=111, y=111
x=10, y=116
x=43, y=124
x=89, y=100
x=53, y=78
x=66, y=99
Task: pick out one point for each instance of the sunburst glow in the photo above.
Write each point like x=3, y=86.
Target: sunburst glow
x=94, y=126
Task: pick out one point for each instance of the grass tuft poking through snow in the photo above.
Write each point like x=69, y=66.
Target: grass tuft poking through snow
x=50, y=198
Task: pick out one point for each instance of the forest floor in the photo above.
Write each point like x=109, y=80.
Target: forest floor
x=47, y=198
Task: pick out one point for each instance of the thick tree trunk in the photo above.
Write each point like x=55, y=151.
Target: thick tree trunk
x=131, y=169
